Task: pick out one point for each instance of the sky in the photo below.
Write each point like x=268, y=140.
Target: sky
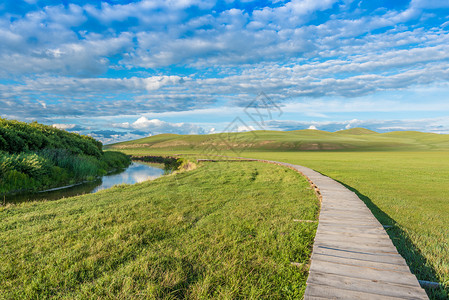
x=120, y=70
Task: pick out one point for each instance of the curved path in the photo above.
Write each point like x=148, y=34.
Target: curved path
x=353, y=257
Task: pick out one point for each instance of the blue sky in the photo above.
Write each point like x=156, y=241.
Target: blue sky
x=120, y=70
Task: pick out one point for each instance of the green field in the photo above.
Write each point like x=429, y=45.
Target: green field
x=221, y=231
x=402, y=186
x=227, y=230
x=356, y=139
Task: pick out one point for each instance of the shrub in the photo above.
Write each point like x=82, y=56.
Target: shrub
x=16, y=137
x=27, y=163
x=114, y=159
x=14, y=180
x=35, y=156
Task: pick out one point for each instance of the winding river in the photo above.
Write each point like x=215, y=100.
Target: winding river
x=136, y=172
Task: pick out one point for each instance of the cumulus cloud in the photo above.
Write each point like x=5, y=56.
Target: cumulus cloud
x=155, y=126
x=107, y=134
x=434, y=125
x=64, y=41
x=140, y=57
x=71, y=85
x=64, y=126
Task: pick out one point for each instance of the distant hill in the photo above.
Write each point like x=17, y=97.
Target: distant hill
x=355, y=139
x=357, y=130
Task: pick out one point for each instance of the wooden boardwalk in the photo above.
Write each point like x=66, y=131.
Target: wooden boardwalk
x=353, y=257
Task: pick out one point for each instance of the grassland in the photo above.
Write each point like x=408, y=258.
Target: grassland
x=356, y=139
x=220, y=231
x=403, y=187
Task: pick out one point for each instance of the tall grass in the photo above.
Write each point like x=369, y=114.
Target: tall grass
x=171, y=164
x=53, y=167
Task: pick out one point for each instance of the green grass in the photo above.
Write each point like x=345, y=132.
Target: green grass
x=48, y=168
x=409, y=190
x=223, y=230
x=402, y=186
x=35, y=157
x=355, y=139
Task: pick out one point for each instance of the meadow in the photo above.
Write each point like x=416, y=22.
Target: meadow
x=220, y=231
x=355, y=139
x=403, y=187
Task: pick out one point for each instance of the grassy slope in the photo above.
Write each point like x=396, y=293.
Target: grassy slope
x=355, y=139
x=406, y=188
x=220, y=231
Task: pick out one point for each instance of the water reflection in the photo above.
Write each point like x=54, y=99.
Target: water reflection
x=135, y=173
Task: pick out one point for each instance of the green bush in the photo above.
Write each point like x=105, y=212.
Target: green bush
x=16, y=137
x=35, y=157
x=28, y=163
x=53, y=167
x=114, y=159
x=14, y=180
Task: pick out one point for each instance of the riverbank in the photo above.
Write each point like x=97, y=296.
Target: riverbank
x=219, y=231
x=36, y=157
x=135, y=173
x=171, y=163
x=55, y=168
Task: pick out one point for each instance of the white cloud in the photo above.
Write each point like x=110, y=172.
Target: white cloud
x=64, y=126
x=70, y=85
x=245, y=128
x=70, y=59
x=434, y=125
x=155, y=126
x=144, y=123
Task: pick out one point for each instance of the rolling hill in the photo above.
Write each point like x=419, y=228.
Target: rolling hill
x=355, y=139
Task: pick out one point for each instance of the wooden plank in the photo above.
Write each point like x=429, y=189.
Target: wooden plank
x=375, y=257
x=363, y=273
x=357, y=218
x=348, y=223
x=351, y=233
x=361, y=262
x=329, y=292
x=329, y=227
x=381, y=288
x=362, y=246
x=349, y=238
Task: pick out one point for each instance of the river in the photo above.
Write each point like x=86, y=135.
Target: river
x=136, y=172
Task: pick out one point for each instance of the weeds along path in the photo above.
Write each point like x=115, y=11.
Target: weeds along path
x=353, y=257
